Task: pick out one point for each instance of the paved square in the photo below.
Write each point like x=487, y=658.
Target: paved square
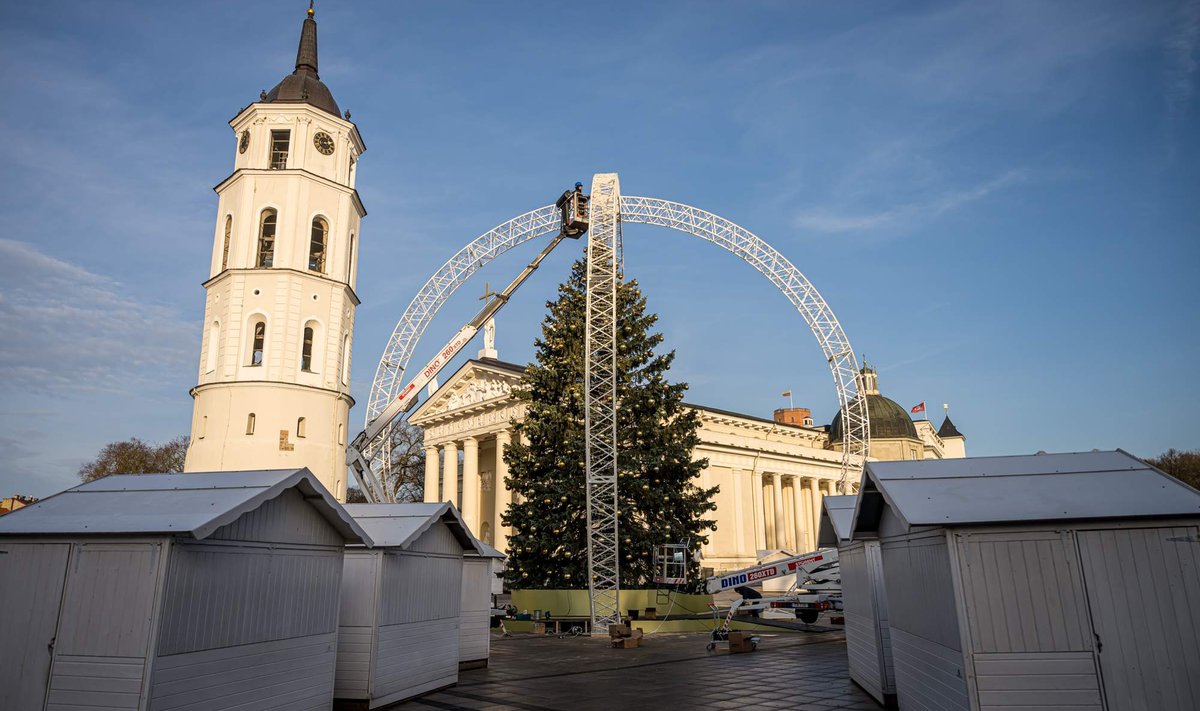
x=792, y=670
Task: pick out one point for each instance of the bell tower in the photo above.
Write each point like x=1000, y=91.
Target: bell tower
x=274, y=378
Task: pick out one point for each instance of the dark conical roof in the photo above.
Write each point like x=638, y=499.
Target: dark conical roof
x=949, y=430
x=889, y=420
x=304, y=86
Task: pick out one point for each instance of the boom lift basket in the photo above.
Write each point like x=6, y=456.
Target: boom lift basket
x=670, y=563
x=575, y=215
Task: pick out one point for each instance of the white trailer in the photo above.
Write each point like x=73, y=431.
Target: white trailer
x=817, y=586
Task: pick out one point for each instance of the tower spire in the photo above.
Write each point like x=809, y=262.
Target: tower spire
x=304, y=86
x=306, y=54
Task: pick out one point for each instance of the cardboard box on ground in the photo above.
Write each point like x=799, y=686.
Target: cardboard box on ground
x=741, y=642
x=622, y=637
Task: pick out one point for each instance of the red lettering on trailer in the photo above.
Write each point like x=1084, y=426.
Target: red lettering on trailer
x=760, y=574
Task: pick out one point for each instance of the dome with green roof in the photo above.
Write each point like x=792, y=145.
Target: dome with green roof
x=888, y=418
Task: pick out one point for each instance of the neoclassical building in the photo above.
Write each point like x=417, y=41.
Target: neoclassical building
x=772, y=473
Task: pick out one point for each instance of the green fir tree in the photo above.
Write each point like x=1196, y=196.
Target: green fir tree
x=659, y=500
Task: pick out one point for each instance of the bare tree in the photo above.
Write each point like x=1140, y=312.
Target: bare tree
x=405, y=475
x=133, y=456
x=1184, y=466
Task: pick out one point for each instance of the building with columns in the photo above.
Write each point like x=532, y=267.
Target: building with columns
x=273, y=390
x=772, y=473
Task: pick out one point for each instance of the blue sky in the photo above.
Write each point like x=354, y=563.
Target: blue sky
x=1000, y=201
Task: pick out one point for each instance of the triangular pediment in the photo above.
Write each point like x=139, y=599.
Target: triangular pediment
x=477, y=384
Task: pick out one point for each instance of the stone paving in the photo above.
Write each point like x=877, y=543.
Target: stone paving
x=792, y=670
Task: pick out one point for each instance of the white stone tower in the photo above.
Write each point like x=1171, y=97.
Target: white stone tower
x=274, y=385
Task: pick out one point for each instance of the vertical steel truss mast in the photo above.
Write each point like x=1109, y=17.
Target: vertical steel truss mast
x=600, y=400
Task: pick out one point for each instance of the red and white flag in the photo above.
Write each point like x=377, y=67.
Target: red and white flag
x=918, y=408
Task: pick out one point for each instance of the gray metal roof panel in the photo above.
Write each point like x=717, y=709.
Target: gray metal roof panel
x=839, y=513
x=1078, y=486
x=400, y=525
x=192, y=504
x=261, y=479
x=1017, y=465
x=487, y=551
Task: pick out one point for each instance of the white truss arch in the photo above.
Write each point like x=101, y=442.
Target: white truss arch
x=389, y=376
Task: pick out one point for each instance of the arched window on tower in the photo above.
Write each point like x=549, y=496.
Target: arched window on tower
x=258, y=342
x=306, y=349
x=266, y=238
x=214, y=345
x=250, y=424
x=316, y=245
x=350, y=259
x=346, y=359
x=300, y=428
x=225, y=248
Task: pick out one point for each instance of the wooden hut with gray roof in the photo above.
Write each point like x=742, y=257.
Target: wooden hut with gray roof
x=401, y=603
x=175, y=592
x=1051, y=581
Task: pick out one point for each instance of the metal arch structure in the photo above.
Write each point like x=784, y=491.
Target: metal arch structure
x=718, y=230
x=607, y=215
x=600, y=400
x=453, y=274
x=796, y=287
x=389, y=374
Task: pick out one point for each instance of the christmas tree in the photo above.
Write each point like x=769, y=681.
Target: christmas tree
x=659, y=500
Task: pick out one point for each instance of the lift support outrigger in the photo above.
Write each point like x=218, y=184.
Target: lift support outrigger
x=574, y=225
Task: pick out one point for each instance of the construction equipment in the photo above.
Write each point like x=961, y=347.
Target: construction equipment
x=355, y=452
x=817, y=588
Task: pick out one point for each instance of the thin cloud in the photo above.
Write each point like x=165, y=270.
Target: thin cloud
x=906, y=217
x=70, y=330
x=1183, y=45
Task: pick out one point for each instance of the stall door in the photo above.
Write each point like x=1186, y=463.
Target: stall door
x=31, y=588
x=104, y=630
x=1143, y=587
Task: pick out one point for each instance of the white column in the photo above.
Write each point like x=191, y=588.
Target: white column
x=739, y=513
x=450, y=472
x=809, y=496
x=803, y=530
x=760, y=518
x=503, y=495
x=431, y=473
x=818, y=495
x=780, y=517
x=470, y=486
x=790, y=513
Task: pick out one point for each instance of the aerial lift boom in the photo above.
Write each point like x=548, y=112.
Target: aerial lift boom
x=407, y=398
x=818, y=570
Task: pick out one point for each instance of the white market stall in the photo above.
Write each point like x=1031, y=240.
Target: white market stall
x=478, y=585
x=400, y=607
x=174, y=591
x=1049, y=581
x=864, y=600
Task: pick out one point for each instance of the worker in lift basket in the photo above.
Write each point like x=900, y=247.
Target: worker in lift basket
x=564, y=203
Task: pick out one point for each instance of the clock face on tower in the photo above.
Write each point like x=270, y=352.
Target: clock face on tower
x=323, y=142
x=244, y=143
